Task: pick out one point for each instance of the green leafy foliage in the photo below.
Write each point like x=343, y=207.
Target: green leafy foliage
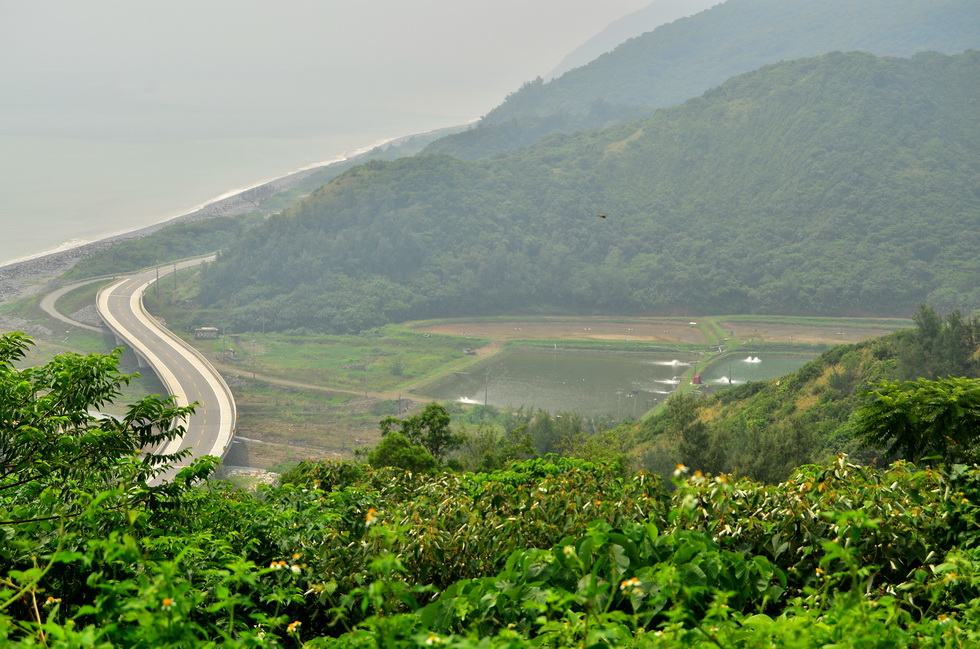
x=430, y=429
x=486, y=449
x=851, y=550
x=606, y=571
x=923, y=418
x=54, y=444
x=397, y=450
x=547, y=553
x=941, y=347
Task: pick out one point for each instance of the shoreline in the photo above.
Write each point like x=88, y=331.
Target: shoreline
x=34, y=274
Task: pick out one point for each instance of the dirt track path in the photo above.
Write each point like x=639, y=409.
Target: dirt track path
x=49, y=300
x=403, y=393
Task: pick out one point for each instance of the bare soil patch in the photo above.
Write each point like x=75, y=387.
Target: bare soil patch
x=573, y=329
x=803, y=333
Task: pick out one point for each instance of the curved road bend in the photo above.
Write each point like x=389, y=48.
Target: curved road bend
x=49, y=300
x=186, y=373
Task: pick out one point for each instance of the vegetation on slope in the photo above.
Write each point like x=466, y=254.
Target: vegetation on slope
x=685, y=58
x=176, y=241
x=837, y=185
x=766, y=429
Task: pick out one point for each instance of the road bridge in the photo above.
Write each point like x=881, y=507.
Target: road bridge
x=184, y=371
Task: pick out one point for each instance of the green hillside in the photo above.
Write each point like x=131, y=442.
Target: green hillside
x=843, y=184
x=766, y=429
x=685, y=58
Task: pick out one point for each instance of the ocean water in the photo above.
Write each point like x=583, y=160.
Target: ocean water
x=60, y=191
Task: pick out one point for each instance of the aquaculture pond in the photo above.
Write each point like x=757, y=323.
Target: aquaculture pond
x=751, y=367
x=618, y=385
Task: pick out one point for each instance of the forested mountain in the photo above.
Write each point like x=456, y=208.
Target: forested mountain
x=685, y=58
x=842, y=184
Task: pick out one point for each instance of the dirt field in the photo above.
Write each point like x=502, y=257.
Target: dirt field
x=798, y=333
x=658, y=330
x=578, y=329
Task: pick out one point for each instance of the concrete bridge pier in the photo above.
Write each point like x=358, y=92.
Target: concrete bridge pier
x=141, y=363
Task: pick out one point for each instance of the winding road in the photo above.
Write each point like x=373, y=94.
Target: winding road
x=183, y=370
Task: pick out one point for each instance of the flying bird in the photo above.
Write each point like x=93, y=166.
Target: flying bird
x=601, y=216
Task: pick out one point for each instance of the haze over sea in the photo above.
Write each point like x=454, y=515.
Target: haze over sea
x=63, y=191
x=119, y=115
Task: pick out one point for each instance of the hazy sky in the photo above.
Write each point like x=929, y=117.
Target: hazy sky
x=229, y=64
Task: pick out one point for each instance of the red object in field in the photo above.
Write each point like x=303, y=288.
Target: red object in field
x=697, y=380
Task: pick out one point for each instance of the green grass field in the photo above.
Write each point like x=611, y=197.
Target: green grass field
x=392, y=360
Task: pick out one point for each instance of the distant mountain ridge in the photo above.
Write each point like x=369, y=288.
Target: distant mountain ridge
x=655, y=14
x=842, y=184
x=685, y=58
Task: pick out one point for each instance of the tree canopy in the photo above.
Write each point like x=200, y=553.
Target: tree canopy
x=923, y=418
x=396, y=450
x=430, y=429
x=57, y=450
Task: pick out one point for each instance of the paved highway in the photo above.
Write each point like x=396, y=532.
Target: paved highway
x=185, y=373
